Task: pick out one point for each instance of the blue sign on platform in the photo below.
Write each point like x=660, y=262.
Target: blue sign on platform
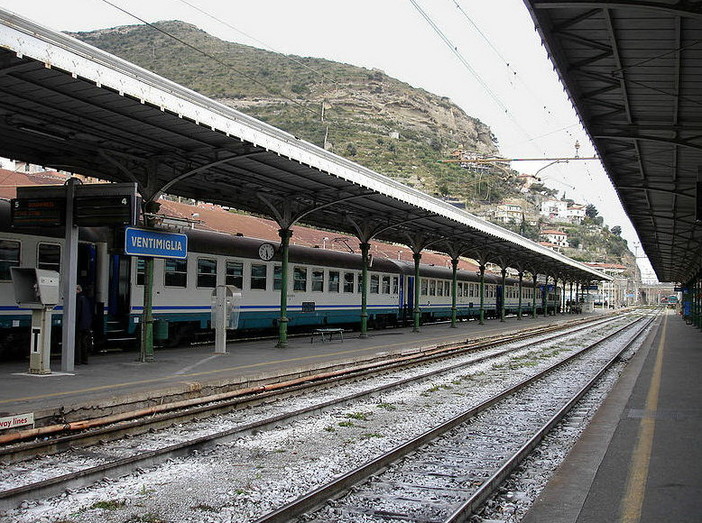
x=158, y=244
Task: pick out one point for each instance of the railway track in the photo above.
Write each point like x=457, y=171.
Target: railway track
x=64, y=436
x=98, y=462
x=445, y=474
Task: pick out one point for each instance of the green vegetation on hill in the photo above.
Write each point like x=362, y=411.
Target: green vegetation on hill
x=360, y=114
x=369, y=117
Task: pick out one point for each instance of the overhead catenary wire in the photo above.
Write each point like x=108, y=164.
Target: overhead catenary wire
x=454, y=49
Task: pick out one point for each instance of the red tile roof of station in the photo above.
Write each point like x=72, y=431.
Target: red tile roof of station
x=10, y=180
x=212, y=217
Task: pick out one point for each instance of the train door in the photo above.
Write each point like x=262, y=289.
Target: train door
x=118, y=304
x=87, y=279
x=409, y=301
x=499, y=299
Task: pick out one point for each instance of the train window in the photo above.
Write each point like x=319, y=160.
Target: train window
x=9, y=257
x=374, y=284
x=49, y=256
x=432, y=287
x=140, y=270
x=277, y=277
x=459, y=289
x=349, y=278
x=386, y=285
x=447, y=288
x=258, y=276
x=175, y=273
x=234, y=274
x=395, y=285
x=207, y=272
x=317, y=280
x=334, y=281
x=439, y=288
x=424, y=285
x=300, y=279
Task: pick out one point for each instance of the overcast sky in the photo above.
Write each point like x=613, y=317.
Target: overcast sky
x=484, y=55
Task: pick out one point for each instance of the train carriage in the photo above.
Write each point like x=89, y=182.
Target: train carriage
x=324, y=287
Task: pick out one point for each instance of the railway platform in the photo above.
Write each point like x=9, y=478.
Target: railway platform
x=639, y=459
x=116, y=382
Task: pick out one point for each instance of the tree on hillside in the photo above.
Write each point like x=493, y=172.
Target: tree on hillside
x=591, y=211
x=617, y=230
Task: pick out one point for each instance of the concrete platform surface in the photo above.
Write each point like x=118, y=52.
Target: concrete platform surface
x=119, y=378
x=640, y=459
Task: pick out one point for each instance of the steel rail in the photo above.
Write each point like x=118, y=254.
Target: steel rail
x=64, y=434
x=120, y=466
x=317, y=497
x=489, y=487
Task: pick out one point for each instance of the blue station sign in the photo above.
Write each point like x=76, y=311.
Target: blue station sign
x=156, y=244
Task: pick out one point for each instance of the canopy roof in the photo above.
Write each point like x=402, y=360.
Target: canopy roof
x=71, y=106
x=633, y=70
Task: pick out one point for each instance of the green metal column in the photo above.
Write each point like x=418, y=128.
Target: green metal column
x=416, y=313
x=365, y=248
x=698, y=302
x=694, y=310
x=533, y=297
x=146, y=352
x=454, y=289
x=544, y=298
x=285, y=235
x=482, y=295
x=694, y=304
x=570, y=295
x=504, y=295
x=147, y=322
x=519, y=306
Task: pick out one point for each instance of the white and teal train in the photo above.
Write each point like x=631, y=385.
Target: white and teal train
x=323, y=287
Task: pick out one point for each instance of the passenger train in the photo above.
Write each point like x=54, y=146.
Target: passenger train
x=324, y=287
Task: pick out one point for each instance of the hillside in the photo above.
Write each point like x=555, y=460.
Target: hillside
x=361, y=114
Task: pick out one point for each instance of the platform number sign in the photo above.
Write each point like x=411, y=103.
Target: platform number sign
x=104, y=210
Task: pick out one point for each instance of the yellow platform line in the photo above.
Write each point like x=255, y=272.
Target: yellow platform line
x=633, y=500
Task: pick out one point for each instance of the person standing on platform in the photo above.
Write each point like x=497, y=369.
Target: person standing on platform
x=84, y=323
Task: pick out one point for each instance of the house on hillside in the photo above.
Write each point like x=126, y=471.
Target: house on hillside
x=557, y=238
x=563, y=211
x=509, y=211
x=575, y=213
x=554, y=209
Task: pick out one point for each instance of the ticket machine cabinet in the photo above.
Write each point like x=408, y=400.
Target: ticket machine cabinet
x=225, y=314
x=37, y=289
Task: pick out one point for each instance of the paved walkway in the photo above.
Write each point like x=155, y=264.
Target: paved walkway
x=116, y=378
x=641, y=457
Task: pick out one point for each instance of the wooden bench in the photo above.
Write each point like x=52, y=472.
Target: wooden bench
x=327, y=334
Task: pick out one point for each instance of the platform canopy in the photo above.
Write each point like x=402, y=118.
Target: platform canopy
x=633, y=70
x=70, y=106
